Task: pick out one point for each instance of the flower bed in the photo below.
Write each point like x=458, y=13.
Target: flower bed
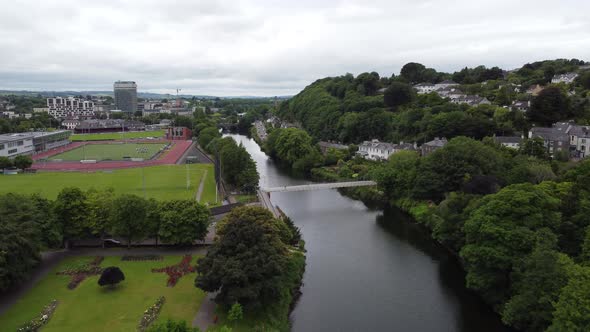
x=140, y=258
x=79, y=273
x=151, y=314
x=36, y=323
x=175, y=272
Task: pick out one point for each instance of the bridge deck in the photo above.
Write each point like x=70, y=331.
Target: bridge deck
x=319, y=186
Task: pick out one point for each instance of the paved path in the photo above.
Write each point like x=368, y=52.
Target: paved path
x=201, y=186
x=51, y=259
x=206, y=313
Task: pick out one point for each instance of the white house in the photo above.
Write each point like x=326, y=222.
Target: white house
x=512, y=142
x=424, y=88
x=375, y=150
x=564, y=78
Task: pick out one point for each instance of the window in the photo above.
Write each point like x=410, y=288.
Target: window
x=12, y=151
x=1, y=146
x=20, y=143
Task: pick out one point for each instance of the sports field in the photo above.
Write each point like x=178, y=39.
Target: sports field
x=161, y=182
x=116, y=136
x=90, y=307
x=114, y=151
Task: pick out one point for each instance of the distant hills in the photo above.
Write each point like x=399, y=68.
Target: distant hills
x=149, y=95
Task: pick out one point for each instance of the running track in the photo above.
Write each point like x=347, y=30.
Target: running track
x=170, y=157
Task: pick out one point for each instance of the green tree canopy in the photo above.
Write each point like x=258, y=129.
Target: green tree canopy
x=183, y=222
x=501, y=231
x=550, y=106
x=129, y=215
x=246, y=261
x=398, y=94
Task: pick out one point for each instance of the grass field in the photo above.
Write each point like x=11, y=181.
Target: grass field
x=115, y=136
x=113, y=151
x=161, y=182
x=90, y=307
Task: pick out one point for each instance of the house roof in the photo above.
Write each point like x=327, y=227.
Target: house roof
x=424, y=84
x=508, y=139
x=570, y=76
x=437, y=142
x=553, y=134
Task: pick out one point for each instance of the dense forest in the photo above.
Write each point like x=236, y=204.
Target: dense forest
x=353, y=109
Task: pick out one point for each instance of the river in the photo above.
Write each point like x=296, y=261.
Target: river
x=371, y=270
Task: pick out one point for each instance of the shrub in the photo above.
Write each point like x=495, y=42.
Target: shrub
x=111, y=276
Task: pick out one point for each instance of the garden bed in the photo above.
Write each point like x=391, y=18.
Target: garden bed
x=80, y=272
x=36, y=323
x=175, y=272
x=151, y=314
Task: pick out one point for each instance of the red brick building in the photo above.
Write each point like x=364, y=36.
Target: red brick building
x=179, y=133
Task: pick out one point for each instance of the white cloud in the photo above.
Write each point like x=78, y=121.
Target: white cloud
x=271, y=47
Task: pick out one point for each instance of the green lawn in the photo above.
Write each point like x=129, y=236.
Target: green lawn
x=92, y=308
x=116, y=136
x=161, y=182
x=114, y=151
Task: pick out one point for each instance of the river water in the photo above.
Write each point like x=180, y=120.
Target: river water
x=370, y=270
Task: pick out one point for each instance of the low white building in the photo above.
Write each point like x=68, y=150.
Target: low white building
x=12, y=145
x=424, y=88
x=70, y=124
x=564, y=78
x=512, y=142
x=375, y=150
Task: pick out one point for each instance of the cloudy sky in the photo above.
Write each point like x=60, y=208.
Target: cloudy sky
x=269, y=48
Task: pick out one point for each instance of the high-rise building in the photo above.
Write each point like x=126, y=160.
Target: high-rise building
x=126, y=96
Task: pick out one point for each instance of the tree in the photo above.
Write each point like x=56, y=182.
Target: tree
x=451, y=215
x=550, y=106
x=572, y=310
x=19, y=239
x=235, y=313
x=447, y=169
x=538, y=281
x=246, y=261
x=111, y=276
x=501, y=231
x=396, y=178
x=129, y=217
x=534, y=147
x=412, y=72
x=100, y=205
x=584, y=80
x=71, y=211
x=5, y=162
x=183, y=222
x=172, y=326
x=398, y=94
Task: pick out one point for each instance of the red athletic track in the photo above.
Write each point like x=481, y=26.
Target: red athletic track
x=170, y=157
